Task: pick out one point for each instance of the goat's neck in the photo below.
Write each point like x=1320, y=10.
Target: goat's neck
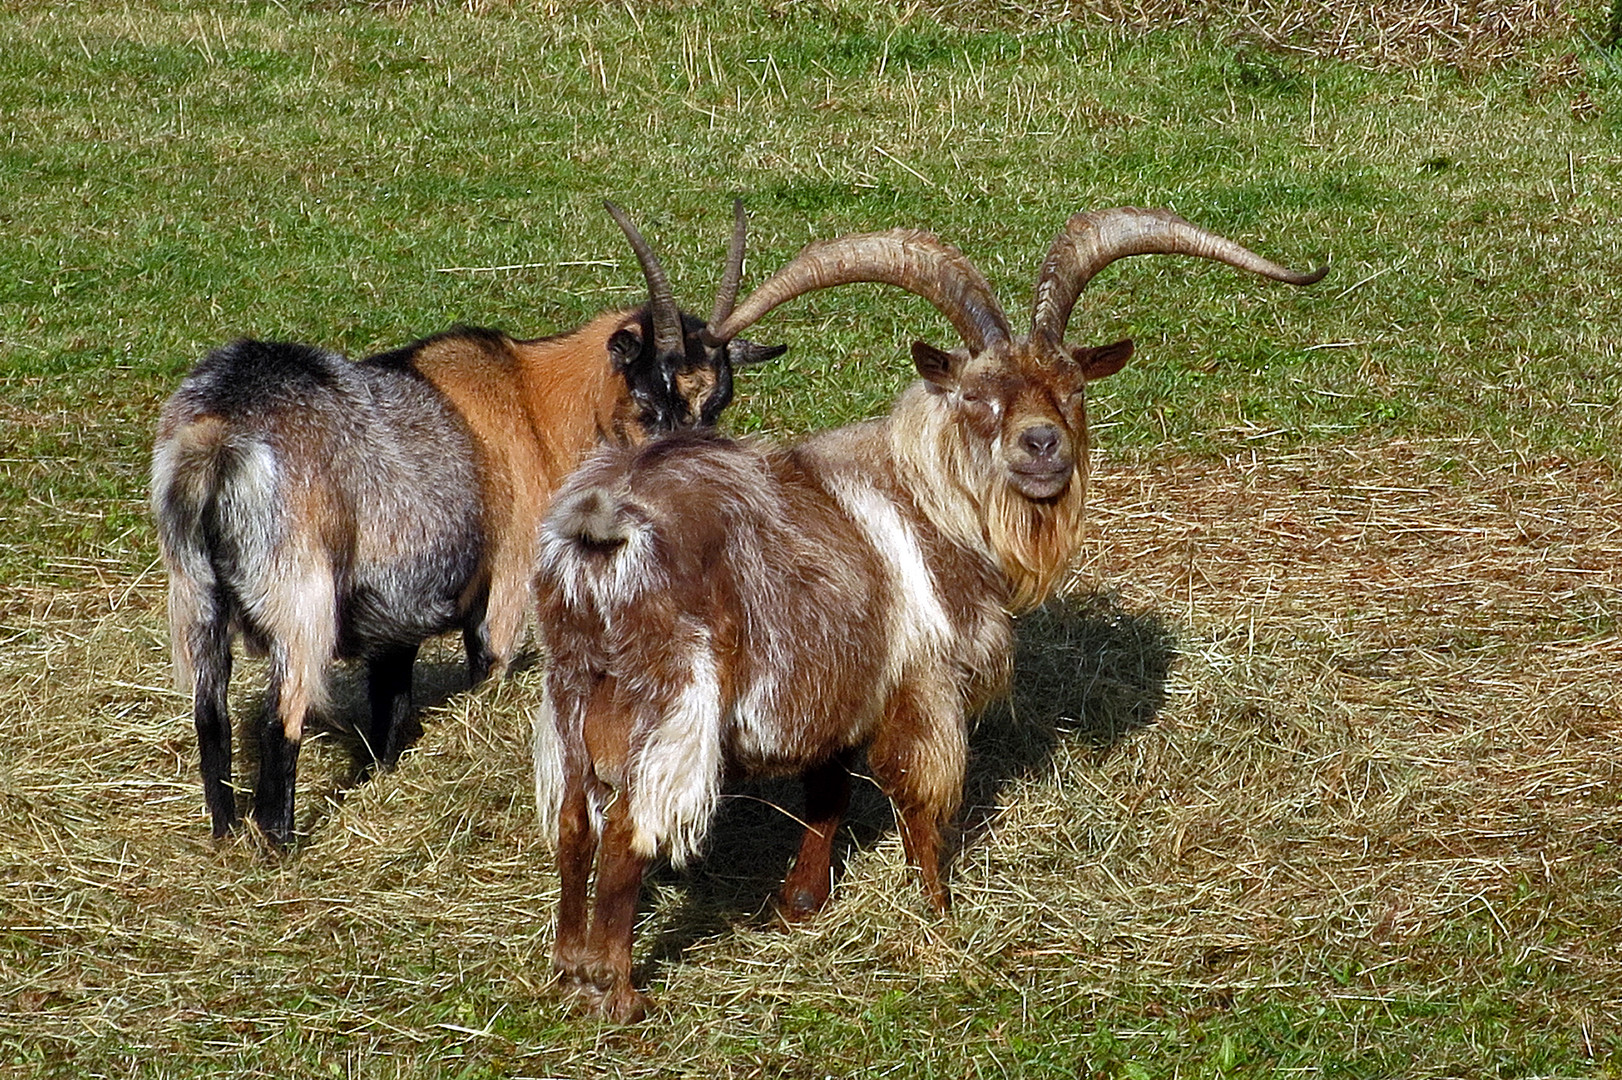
x=574, y=398
x=937, y=468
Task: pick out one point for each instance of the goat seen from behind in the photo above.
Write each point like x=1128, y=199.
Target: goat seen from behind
x=326, y=509
x=714, y=608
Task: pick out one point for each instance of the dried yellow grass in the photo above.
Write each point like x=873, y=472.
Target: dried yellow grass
x=1468, y=34
x=1397, y=694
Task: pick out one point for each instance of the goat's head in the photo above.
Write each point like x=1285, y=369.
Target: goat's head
x=1024, y=409
x=674, y=374
x=1021, y=398
x=1026, y=394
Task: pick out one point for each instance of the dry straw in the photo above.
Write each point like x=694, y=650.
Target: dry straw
x=1473, y=34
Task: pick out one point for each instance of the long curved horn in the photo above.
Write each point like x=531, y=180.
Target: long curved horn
x=915, y=261
x=667, y=335
x=1091, y=241
x=727, y=295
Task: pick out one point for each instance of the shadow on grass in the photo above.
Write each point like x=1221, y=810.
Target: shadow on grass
x=346, y=721
x=1085, y=670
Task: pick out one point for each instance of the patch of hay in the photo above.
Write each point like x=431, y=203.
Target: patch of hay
x=1464, y=34
x=1395, y=697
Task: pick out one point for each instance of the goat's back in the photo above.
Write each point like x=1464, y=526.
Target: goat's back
x=533, y=406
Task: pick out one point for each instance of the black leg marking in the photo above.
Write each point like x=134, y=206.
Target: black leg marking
x=476, y=637
x=211, y=714
x=278, y=771
x=476, y=640
x=388, y=686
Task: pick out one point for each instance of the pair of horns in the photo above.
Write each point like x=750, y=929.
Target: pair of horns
x=928, y=267
x=666, y=316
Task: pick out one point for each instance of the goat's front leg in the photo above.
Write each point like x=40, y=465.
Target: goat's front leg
x=476, y=644
x=505, y=609
x=921, y=840
x=827, y=797
x=476, y=636
x=619, y=884
x=388, y=687
x=918, y=758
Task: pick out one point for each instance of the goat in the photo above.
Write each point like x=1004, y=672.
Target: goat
x=714, y=608
x=326, y=509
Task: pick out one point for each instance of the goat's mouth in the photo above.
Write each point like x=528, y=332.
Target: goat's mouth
x=1041, y=479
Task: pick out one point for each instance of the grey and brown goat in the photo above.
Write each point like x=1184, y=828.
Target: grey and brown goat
x=715, y=608
x=325, y=509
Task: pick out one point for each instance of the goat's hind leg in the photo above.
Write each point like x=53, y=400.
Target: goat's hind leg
x=563, y=763
x=388, y=689
x=281, y=731
x=613, y=920
x=827, y=797
x=577, y=849
x=210, y=651
x=301, y=646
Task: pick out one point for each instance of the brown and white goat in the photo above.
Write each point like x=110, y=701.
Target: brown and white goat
x=326, y=509
x=714, y=608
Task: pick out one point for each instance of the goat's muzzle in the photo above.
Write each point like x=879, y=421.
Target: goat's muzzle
x=1042, y=462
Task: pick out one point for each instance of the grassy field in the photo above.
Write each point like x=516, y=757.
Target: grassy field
x=1314, y=770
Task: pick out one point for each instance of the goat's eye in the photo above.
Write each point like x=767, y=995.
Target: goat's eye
x=978, y=408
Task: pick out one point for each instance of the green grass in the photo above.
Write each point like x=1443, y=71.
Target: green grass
x=176, y=174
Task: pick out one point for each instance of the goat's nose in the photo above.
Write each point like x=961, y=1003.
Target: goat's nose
x=1040, y=441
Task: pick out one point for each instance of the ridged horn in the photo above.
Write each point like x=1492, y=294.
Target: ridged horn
x=667, y=335
x=732, y=277
x=915, y=261
x=1091, y=241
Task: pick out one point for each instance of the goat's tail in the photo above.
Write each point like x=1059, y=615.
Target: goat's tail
x=214, y=501
x=593, y=518
x=187, y=467
x=597, y=547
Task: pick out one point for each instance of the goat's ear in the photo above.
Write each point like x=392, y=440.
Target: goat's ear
x=624, y=347
x=742, y=353
x=1102, y=360
x=937, y=365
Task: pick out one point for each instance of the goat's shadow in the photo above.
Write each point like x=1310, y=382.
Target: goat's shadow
x=1085, y=670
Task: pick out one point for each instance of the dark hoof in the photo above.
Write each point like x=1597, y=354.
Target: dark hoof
x=798, y=905
x=274, y=840
x=623, y=1005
